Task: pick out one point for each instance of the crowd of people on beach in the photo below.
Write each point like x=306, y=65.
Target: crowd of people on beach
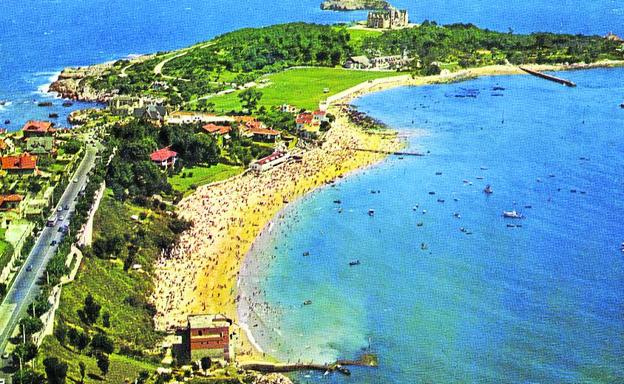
x=201, y=274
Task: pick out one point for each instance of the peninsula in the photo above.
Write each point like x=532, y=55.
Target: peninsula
x=205, y=145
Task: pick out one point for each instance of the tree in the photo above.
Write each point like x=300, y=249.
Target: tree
x=28, y=376
x=102, y=343
x=83, y=371
x=106, y=317
x=249, y=99
x=55, y=370
x=143, y=376
x=60, y=332
x=30, y=325
x=91, y=310
x=103, y=363
x=23, y=353
x=206, y=363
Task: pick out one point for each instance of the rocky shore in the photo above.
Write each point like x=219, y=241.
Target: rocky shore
x=353, y=5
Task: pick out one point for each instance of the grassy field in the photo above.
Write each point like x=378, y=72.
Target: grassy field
x=202, y=175
x=302, y=87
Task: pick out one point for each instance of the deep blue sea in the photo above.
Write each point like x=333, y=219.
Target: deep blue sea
x=538, y=303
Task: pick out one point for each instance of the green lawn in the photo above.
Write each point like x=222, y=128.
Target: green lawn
x=302, y=87
x=202, y=175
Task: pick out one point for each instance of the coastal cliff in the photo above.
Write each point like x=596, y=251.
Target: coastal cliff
x=71, y=84
x=353, y=5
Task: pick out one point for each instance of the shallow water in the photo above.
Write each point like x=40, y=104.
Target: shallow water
x=536, y=303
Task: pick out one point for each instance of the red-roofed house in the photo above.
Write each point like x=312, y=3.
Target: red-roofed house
x=304, y=119
x=38, y=128
x=10, y=202
x=319, y=116
x=164, y=157
x=263, y=134
x=217, y=129
x=23, y=163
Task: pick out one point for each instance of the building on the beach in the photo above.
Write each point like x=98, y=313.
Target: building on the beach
x=210, y=336
x=164, y=157
x=38, y=128
x=185, y=117
x=388, y=18
x=378, y=63
x=357, y=62
x=266, y=163
x=20, y=164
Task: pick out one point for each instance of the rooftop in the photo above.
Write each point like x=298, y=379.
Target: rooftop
x=163, y=154
x=220, y=129
x=23, y=161
x=38, y=126
x=208, y=321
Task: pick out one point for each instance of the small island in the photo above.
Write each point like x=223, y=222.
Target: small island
x=354, y=5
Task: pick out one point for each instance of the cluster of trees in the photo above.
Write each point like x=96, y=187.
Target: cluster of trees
x=468, y=46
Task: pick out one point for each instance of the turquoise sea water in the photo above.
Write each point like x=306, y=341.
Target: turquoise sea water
x=538, y=303
x=541, y=303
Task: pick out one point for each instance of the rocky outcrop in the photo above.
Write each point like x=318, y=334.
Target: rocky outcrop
x=71, y=84
x=272, y=378
x=353, y=5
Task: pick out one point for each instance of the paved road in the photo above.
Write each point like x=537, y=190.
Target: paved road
x=24, y=288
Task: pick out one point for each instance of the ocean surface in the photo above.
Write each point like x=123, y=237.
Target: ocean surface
x=539, y=303
x=447, y=290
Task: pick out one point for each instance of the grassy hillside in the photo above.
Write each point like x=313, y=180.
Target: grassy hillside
x=122, y=293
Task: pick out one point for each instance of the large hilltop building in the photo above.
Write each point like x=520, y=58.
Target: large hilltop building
x=388, y=18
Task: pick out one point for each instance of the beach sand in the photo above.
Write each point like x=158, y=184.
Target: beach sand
x=201, y=275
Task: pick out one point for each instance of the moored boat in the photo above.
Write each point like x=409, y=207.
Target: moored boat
x=488, y=190
x=512, y=214
x=354, y=263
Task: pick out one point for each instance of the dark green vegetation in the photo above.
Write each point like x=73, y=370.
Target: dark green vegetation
x=243, y=56
x=466, y=45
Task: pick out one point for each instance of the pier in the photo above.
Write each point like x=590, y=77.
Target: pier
x=367, y=360
x=387, y=152
x=545, y=76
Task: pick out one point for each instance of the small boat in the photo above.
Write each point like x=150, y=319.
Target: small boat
x=511, y=226
x=424, y=246
x=498, y=88
x=371, y=212
x=339, y=210
x=307, y=302
x=488, y=190
x=44, y=104
x=528, y=206
x=53, y=115
x=420, y=224
x=354, y=263
x=3, y=102
x=484, y=168
x=438, y=173
x=7, y=121
x=457, y=215
x=67, y=104
x=306, y=253
x=622, y=105
x=512, y=214
x=400, y=157
x=440, y=200
x=337, y=202
x=432, y=193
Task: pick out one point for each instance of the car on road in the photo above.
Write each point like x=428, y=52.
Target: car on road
x=53, y=243
x=29, y=268
x=66, y=207
x=59, y=209
x=75, y=180
x=61, y=218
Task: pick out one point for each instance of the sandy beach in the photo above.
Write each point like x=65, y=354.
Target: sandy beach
x=201, y=275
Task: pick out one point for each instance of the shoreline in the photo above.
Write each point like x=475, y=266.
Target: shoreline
x=221, y=258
